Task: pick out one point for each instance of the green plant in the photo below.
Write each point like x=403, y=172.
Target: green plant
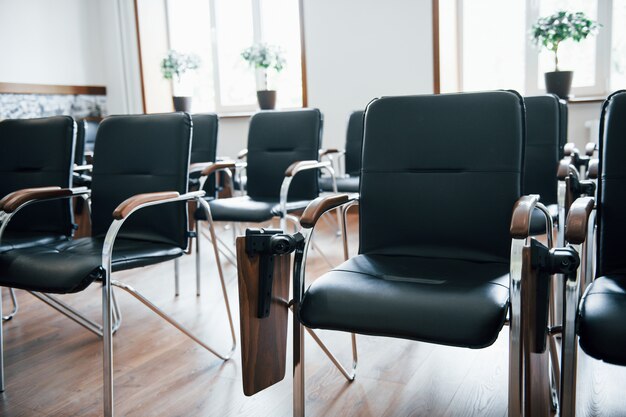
x=550, y=31
x=263, y=56
x=175, y=64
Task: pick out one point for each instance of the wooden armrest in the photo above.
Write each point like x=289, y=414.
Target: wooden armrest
x=590, y=148
x=12, y=201
x=570, y=149
x=242, y=153
x=297, y=166
x=593, y=170
x=217, y=166
x=577, y=219
x=324, y=152
x=319, y=206
x=520, y=220
x=133, y=202
x=89, y=158
x=562, y=171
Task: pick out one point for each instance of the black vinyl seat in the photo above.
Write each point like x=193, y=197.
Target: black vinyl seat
x=602, y=316
x=37, y=153
x=247, y=209
x=543, y=137
x=138, y=215
x=352, y=158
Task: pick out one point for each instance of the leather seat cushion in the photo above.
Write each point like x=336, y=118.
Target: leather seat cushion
x=20, y=240
x=246, y=209
x=344, y=184
x=70, y=266
x=538, y=220
x=444, y=301
x=602, y=320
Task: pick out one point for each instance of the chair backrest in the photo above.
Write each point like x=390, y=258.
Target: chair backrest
x=541, y=160
x=563, y=128
x=38, y=153
x=612, y=187
x=142, y=154
x=204, y=145
x=354, y=142
x=441, y=174
x=276, y=139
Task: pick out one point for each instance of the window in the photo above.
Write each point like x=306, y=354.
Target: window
x=485, y=44
x=217, y=31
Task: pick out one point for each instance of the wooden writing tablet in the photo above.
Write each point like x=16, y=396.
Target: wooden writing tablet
x=263, y=341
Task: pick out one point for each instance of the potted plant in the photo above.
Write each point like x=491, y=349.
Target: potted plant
x=549, y=32
x=173, y=67
x=264, y=57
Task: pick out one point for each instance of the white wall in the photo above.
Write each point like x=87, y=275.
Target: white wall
x=51, y=42
x=578, y=114
x=357, y=50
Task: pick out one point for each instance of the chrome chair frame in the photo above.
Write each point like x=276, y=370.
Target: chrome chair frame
x=107, y=298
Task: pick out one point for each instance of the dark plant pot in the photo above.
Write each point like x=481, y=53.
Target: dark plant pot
x=182, y=103
x=559, y=83
x=267, y=99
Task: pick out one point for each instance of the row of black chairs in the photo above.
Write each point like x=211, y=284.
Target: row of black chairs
x=435, y=260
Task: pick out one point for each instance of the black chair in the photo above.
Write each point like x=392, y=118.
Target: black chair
x=132, y=224
x=435, y=262
x=597, y=321
x=348, y=183
x=36, y=153
x=543, y=137
x=282, y=172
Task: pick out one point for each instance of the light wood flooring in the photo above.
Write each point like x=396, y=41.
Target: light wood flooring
x=53, y=366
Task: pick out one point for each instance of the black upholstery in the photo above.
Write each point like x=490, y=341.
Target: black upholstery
x=563, y=119
x=434, y=252
x=152, y=235
x=602, y=321
x=204, y=147
x=37, y=153
x=354, y=142
x=543, y=136
x=276, y=139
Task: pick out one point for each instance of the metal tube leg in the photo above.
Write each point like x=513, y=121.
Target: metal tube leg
x=15, y=306
x=107, y=344
x=298, y=369
x=198, y=237
x=69, y=312
x=1, y=350
x=515, y=331
x=176, y=277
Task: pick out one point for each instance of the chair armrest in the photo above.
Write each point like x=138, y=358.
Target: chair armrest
x=299, y=166
x=87, y=167
x=140, y=201
x=593, y=170
x=13, y=201
x=577, y=220
x=89, y=157
x=522, y=212
x=565, y=169
x=324, y=152
x=570, y=149
x=242, y=153
x=321, y=205
x=590, y=148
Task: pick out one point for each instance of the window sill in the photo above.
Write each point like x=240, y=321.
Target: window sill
x=586, y=99
x=233, y=115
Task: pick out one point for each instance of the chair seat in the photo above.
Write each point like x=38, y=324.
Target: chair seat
x=538, y=220
x=602, y=320
x=344, y=184
x=444, y=301
x=70, y=266
x=20, y=240
x=246, y=209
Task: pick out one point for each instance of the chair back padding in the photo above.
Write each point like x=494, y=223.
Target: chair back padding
x=611, y=218
x=142, y=154
x=354, y=143
x=563, y=127
x=276, y=139
x=79, y=148
x=541, y=159
x=441, y=174
x=204, y=145
x=38, y=153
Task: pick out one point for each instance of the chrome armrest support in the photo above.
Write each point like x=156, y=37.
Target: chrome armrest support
x=87, y=167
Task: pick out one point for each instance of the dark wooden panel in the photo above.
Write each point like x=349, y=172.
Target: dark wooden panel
x=18, y=88
x=263, y=341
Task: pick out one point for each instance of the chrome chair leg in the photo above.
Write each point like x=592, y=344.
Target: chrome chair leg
x=107, y=344
x=69, y=312
x=15, y=306
x=1, y=350
x=516, y=357
x=298, y=369
x=176, y=277
x=198, y=263
x=349, y=375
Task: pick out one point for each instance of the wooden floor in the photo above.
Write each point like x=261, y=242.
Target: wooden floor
x=53, y=366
